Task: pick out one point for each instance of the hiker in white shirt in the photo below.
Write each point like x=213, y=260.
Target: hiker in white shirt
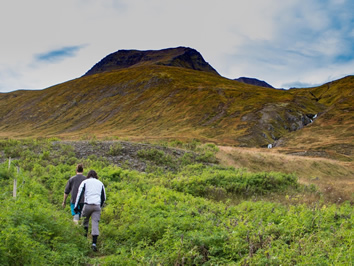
x=94, y=195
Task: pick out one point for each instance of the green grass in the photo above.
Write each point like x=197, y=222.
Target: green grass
x=189, y=216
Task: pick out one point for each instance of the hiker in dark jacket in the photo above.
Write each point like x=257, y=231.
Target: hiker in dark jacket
x=72, y=187
x=93, y=191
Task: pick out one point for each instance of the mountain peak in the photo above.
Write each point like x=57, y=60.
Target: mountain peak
x=178, y=57
x=253, y=81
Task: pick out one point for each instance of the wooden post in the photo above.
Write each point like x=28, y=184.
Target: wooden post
x=14, y=192
x=15, y=188
x=9, y=162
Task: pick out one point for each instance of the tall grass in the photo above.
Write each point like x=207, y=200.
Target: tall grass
x=333, y=178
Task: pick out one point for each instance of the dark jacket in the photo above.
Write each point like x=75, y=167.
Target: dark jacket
x=72, y=187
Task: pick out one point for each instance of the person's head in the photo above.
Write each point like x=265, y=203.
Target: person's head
x=79, y=168
x=92, y=173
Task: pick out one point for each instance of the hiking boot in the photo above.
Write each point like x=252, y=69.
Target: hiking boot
x=94, y=248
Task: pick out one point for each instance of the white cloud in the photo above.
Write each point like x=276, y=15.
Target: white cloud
x=307, y=41
x=278, y=41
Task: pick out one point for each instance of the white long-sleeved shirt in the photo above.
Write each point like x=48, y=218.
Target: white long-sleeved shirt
x=93, y=192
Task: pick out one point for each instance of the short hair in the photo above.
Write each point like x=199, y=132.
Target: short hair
x=92, y=173
x=79, y=168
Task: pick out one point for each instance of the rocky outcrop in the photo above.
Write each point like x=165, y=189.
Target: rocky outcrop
x=178, y=57
x=121, y=153
x=273, y=121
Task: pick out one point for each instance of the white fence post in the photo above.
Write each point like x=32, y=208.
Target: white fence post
x=14, y=191
x=15, y=188
x=15, y=182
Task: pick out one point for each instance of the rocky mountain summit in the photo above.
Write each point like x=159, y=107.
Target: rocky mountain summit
x=253, y=81
x=178, y=57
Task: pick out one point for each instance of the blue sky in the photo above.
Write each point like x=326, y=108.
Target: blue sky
x=292, y=43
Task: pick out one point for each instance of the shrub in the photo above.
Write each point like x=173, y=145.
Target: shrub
x=115, y=149
x=207, y=157
x=156, y=156
x=13, y=152
x=199, y=181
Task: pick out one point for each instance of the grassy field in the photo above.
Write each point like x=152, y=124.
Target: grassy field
x=335, y=179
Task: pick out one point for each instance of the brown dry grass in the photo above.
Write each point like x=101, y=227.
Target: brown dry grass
x=334, y=179
x=160, y=102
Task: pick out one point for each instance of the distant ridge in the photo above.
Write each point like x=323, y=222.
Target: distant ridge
x=253, y=81
x=178, y=57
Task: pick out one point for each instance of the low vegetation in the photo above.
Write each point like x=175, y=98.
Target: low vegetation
x=198, y=213
x=334, y=179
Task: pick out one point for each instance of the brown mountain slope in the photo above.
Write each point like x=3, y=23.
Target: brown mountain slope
x=156, y=101
x=332, y=132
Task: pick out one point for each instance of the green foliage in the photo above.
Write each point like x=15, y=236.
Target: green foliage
x=193, y=152
x=158, y=225
x=207, y=153
x=93, y=140
x=189, y=145
x=202, y=181
x=157, y=157
x=207, y=157
x=186, y=159
x=166, y=218
x=115, y=149
x=5, y=173
x=154, y=155
x=35, y=233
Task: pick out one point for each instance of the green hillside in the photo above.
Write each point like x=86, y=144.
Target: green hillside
x=197, y=214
